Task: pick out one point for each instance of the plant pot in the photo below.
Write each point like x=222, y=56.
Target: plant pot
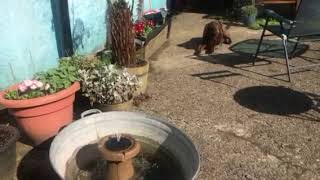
x=249, y=20
x=141, y=72
x=8, y=137
x=126, y=106
x=42, y=117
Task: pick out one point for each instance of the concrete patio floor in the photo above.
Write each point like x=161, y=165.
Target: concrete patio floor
x=248, y=122
x=269, y=132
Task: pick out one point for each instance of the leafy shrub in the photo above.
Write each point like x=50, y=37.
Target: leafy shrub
x=236, y=11
x=108, y=84
x=87, y=62
x=59, y=78
x=249, y=10
x=260, y=22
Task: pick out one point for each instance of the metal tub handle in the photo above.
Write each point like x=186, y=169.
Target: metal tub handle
x=90, y=112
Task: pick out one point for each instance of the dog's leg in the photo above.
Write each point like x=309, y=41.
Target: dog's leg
x=199, y=49
x=226, y=39
x=210, y=48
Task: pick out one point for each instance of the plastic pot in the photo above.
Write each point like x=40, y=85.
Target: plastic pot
x=42, y=117
x=126, y=106
x=249, y=20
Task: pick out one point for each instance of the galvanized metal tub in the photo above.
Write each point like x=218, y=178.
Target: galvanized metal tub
x=86, y=130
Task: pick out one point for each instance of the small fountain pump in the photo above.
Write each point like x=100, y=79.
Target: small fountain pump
x=119, y=151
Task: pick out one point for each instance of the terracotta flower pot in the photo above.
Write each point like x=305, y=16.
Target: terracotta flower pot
x=41, y=118
x=142, y=74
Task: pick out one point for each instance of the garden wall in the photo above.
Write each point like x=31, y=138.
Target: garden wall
x=35, y=33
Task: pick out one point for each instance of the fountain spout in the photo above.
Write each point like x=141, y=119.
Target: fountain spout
x=119, y=152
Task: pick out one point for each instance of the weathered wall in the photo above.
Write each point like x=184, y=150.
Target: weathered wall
x=32, y=36
x=88, y=27
x=27, y=36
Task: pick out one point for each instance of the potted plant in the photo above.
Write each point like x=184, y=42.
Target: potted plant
x=122, y=43
x=108, y=87
x=44, y=104
x=143, y=28
x=249, y=14
x=8, y=137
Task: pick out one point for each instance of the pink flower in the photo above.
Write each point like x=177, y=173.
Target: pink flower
x=22, y=87
x=33, y=87
x=39, y=84
x=46, y=87
x=27, y=83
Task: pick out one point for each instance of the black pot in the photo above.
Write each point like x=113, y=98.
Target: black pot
x=8, y=137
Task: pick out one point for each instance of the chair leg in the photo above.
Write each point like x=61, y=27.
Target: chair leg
x=284, y=42
x=259, y=45
x=294, y=48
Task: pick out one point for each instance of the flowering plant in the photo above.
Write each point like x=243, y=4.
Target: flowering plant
x=143, y=28
x=28, y=89
x=108, y=85
x=45, y=83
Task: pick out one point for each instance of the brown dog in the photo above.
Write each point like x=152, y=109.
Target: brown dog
x=214, y=34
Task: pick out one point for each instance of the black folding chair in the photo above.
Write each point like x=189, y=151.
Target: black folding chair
x=305, y=27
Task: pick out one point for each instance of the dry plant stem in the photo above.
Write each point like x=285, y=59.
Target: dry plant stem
x=122, y=36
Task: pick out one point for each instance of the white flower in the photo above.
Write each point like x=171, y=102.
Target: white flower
x=33, y=87
x=22, y=87
x=47, y=86
x=28, y=83
x=39, y=84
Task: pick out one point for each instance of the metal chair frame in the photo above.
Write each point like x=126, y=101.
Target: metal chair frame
x=285, y=37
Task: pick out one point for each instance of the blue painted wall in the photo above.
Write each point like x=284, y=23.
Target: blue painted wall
x=155, y=4
x=88, y=27
x=30, y=41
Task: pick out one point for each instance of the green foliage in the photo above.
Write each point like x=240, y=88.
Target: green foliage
x=59, y=78
x=108, y=84
x=87, y=62
x=15, y=95
x=147, y=31
x=260, y=22
x=254, y=26
x=249, y=10
x=236, y=11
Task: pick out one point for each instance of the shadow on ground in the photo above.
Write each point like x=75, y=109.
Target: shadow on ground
x=36, y=165
x=192, y=43
x=241, y=56
x=278, y=101
x=269, y=48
